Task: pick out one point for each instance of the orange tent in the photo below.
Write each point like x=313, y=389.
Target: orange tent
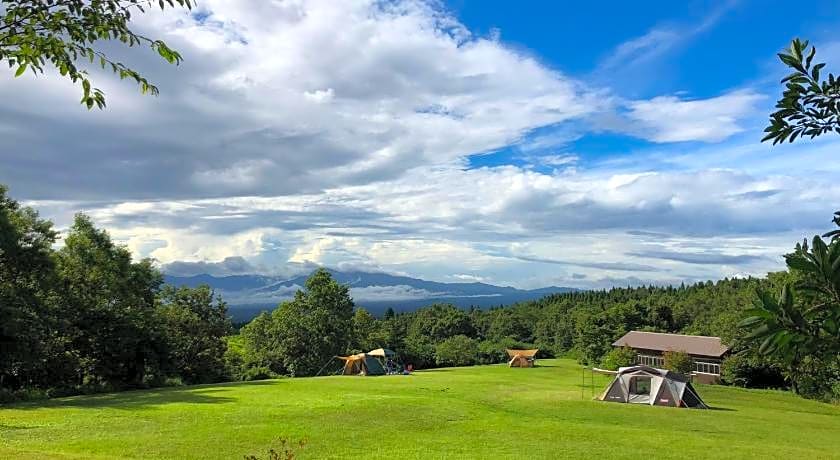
x=522, y=358
x=361, y=364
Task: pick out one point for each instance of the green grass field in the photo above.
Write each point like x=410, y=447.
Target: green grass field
x=478, y=412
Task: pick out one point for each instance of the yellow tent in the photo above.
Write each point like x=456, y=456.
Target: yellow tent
x=522, y=358
x=361, y=364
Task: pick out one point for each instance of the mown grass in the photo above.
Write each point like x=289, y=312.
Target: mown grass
x=479, y=412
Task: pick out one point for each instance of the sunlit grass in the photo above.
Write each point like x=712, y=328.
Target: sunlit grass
x=479, y=412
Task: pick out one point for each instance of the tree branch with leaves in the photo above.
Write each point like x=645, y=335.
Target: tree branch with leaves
x=810, y=105
x=65, y=33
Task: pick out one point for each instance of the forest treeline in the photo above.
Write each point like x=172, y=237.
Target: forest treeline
x=82, y=316
x=581, y=325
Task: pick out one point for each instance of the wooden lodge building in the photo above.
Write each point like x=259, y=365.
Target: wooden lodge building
x=706, y=352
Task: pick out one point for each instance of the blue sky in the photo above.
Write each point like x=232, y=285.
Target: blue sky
x=697, y=49
x=529, y=144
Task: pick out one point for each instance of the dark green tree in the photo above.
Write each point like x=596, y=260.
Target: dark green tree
x=509, y=323
x=619, y=357
x=678, y=361
x=109, y=304
x=27, y=338
x=458, y=350
x=440, y=321
x=66, y=33
x=368, y=333
x=193, y=325
x=310, y=329
x=260, y=346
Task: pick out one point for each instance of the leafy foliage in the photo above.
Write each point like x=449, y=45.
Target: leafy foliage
x=619, y=357
x=802, y=324
x=748, y=368
x=834, y=234
x=26, y=269
x=301, y=334
x=88, y=318
x=64, y=33
x=195, y=327
x=678, y=361
x=810, y=105
x=458, y=350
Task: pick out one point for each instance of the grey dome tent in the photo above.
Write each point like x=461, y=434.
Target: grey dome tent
x=655, y=387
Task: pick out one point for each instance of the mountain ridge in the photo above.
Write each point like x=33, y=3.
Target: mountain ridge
x=248, y=294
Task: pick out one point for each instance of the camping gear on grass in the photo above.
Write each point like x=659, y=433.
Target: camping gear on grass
x=361, y=364
x=382, y=353
x=522, y=358
x=652, y=386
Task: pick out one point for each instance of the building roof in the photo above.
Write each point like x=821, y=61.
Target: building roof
x=692, y=344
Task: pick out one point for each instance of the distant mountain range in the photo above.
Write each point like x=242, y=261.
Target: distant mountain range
x=247, y=295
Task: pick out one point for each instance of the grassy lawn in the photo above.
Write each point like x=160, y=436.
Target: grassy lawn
x=479, y=412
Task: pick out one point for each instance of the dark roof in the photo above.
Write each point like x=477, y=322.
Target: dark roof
x=692, y=344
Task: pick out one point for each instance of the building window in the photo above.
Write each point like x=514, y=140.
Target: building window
x=707, y=367
x=652, y=361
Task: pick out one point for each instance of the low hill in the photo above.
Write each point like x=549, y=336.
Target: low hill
x=247, y=295
x=477, y=412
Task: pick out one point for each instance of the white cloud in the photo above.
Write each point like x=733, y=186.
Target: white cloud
x=337, y=133
x=284, y=97
x=509, y=225
x=672, y=119
x=659, y=40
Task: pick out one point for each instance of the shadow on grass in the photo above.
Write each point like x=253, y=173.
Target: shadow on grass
x=723, y=409
x=15, y=428
x=132, y=400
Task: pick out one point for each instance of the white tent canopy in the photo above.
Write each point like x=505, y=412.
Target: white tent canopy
x=382, y=353
x=655, y=387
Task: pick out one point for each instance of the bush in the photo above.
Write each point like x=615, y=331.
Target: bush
x=419, y=351
x=25, y=394
x=678, y=361
x=459, y=350
x=257, y=373
x=817, y=379
x=619, y=357
x=493, y=351
x=751, y=371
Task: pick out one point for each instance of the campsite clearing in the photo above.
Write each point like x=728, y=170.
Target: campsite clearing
x=474, y=412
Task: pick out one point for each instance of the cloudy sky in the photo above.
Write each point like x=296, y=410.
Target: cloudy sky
x=526, y=145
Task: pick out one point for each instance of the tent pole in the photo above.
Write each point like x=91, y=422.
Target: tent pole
x=325, y=365
x=582, y=380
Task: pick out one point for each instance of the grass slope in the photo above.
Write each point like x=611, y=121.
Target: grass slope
x=479, y=412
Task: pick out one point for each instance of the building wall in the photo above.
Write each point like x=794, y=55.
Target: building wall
x=706, y=368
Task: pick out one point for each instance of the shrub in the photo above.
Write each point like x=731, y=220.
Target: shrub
x=619, y=357
x=257, y=373
x=24, y=394
x=817, y=379
x=493, y=351
x=678, y=361
x=751, y=371
x=419, y=351
x=459, y=350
